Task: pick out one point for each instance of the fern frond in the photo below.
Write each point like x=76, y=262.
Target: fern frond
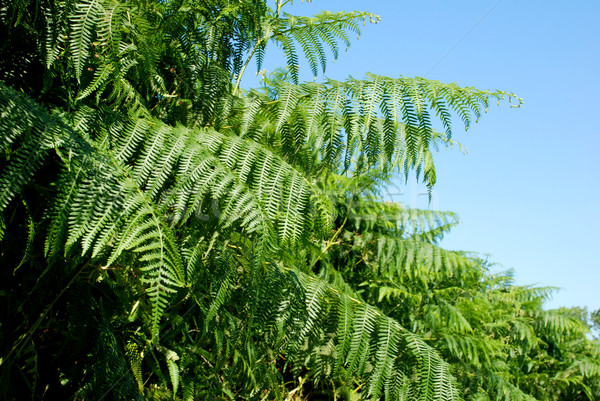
x=385, y=122
x=83, y=22
x=171, y=359
x=135, y=356
x=387, y=349
x=105, y=209
x=30, y=236
x=226, y=270
x=370, y=345
x=313, y=34
x=22, y=119
x=115, y=209
x=555, y=321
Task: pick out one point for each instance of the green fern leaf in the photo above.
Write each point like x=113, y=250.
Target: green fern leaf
x=83, y=21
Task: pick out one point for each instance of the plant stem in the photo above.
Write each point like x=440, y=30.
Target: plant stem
x=239, y=78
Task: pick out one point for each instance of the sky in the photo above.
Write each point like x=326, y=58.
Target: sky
x=527, y=192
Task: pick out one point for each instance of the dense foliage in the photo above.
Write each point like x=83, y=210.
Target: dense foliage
x=166, y=234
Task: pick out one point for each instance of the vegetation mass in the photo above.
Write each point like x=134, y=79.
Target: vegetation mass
x=166, y=234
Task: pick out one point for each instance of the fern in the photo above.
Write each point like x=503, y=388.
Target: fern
x=83, y=23
x=400, y=140
x=195, y=240
x=111, y=206
x=313, y=34
x=368, y=344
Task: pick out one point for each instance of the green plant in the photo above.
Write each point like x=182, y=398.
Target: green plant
x=166, y=234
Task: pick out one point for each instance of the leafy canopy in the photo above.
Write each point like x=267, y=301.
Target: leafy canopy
x=166, y=234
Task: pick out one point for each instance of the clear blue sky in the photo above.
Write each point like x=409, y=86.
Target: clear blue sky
x=528, y=191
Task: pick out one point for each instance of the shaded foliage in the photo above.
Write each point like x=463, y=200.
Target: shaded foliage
x=166, y=234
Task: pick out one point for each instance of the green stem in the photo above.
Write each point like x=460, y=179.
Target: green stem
x=280, y=5
x=239, y=78
x=332, y=240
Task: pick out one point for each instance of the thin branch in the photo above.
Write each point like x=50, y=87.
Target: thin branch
x=239, y=77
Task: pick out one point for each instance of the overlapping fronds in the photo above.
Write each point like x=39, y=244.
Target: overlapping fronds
x=114, y=203
x=378, y=121
x=556, y=322
x=370, y=345
x=388, y=217
x=83, y=21
x=168, y=235
x=398, y=242
x=476, y=319
x=107, y=48
x=322, y=327
x=411, y=260
x=99, y=207
x=180, y=73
